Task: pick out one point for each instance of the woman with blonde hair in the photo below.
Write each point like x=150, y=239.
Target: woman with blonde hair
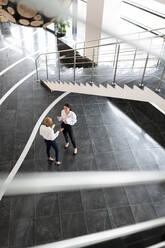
x=47, y=132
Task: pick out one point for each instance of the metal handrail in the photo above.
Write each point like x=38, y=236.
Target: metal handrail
x=146, y=9
x=140, y=25
x=134, y=33
x=97, y=46
x=101, y=61
x=106, y=54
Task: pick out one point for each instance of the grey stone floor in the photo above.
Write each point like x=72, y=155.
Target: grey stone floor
x=111, y=134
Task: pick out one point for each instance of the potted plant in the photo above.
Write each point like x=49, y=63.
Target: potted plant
x=60, y=28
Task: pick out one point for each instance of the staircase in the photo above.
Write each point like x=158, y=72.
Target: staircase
x=67, y=56
x=117, y=69
x=131, y=93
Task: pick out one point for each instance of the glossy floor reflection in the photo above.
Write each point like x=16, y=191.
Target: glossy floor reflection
x=112, y=134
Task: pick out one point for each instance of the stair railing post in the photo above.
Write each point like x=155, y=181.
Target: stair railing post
x=46, y=67
x=134, y=58
x=141, y=84
x=36, y=64
x=59, y=72
x=93, y=65
x=160, y=81
x=114, y=59
x=116, y=63
x=161, y=52
x=84, y=49
x=74, y=77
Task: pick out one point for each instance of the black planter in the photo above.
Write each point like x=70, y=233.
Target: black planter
x=59, y=35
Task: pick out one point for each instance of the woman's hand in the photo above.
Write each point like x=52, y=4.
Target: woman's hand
x=61, y=130
x=53, y=126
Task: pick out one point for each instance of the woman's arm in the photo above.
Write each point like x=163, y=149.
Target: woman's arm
x=72, y=119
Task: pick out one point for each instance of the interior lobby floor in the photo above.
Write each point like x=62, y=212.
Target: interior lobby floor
x=111, y=134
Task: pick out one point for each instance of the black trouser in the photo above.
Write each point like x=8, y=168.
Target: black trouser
x=52, y=143
x=68, y=130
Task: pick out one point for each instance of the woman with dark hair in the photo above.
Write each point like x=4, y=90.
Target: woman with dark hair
x=68, y=118
x=47, y=132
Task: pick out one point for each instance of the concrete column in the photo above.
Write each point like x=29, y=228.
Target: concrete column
x=93, y=25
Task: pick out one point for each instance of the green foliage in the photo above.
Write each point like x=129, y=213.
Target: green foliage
x=60, y=26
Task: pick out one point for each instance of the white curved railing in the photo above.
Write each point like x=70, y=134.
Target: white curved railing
x=30, y=183
x=95, y=238
x=159, y=245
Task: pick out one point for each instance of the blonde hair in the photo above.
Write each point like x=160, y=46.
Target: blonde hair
x=48, y=121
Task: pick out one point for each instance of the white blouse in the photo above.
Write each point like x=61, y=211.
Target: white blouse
x=48, y=133
x=70, y=119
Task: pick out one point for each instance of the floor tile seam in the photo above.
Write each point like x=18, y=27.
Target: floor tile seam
x=122, y=206
x=93, y=147
x=110, y=138
x=114, y=157
x=113, y=225
x=95, y=210
x=72, y=213
x=145, y=147
x=157, y=213
x=117, y=205
x=130, y=204
x=106, y=201
x=90, y=103
x=142, y=150
x=110, y=149
x=146, y=202
x=158, y=202
x=55, y=215
x=86, y=223
x=150, y=195
x=105, y=210
x=9, y=226
x=86, y=105
x=60, y=216
x=136, y=220
x=83, y=204
x=90, y=141
x=89, y=116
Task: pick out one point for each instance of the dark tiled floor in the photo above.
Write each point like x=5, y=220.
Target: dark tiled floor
x=111, y=134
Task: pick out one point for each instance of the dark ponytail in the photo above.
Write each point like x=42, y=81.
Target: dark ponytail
x=68, y=106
